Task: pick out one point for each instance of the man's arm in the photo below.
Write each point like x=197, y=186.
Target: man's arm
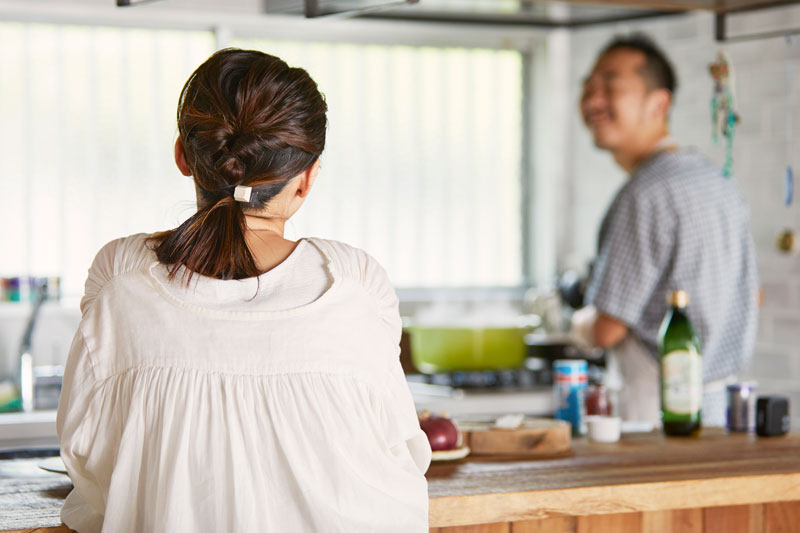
x=608, y=331
x=598, y=329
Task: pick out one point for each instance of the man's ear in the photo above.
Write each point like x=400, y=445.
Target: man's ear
x=307, y=179
x=661, y=101
x=180, y=158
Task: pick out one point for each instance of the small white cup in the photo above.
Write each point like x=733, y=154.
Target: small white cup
x=604, y=428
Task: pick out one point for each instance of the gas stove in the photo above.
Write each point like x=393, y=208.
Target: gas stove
x=496, y=380
x=482, y=393
x=527, y=390
x=536, y=373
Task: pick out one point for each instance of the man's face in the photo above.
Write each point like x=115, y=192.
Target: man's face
x=616, y=104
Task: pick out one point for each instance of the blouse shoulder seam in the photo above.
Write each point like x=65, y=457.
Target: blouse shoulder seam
x=110, y=282
x=338, y=253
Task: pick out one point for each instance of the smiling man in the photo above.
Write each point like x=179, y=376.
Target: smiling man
x=676, y=223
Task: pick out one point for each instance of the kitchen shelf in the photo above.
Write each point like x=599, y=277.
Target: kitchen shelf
x=717, y=6
x=560, y=14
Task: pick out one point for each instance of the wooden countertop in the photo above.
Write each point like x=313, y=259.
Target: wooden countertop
x=644, y=472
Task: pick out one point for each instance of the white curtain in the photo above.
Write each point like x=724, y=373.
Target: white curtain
x=423, y=162
x=88, y=122
x=422, y=167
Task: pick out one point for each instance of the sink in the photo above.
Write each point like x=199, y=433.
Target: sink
x=30, y=453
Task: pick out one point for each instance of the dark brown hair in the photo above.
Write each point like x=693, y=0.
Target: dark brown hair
x=244, y=118
x=657, y=70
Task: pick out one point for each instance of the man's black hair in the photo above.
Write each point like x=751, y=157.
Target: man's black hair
x=658, y=71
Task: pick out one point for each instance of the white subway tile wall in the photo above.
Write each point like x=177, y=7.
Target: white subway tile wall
x=760, y=158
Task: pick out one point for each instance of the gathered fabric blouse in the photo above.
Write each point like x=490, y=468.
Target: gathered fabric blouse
x=270, y=404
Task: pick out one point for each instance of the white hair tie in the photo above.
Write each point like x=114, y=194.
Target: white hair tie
x=242, y=193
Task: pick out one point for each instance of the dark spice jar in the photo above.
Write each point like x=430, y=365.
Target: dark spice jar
x=598, y=401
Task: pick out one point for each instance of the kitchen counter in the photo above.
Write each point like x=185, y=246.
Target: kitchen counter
x=29, y=496
x=645, y=482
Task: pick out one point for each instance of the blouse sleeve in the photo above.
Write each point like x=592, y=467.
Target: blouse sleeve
x=377, y=284
x=402, y=423
x=73, y=419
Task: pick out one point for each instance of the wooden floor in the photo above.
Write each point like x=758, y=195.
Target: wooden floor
x=782, y=517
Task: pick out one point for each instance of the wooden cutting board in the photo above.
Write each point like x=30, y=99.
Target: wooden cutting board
x=534, y=437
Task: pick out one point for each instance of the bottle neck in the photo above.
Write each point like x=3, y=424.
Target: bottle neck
x=677, y=332
x=678, y=314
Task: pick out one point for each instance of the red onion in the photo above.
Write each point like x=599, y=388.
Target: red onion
x=442, y=433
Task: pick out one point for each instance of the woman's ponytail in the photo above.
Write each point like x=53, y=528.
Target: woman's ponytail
x=211, y=242
x=244, y=118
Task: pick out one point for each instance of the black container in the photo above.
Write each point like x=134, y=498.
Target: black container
x=772, y=416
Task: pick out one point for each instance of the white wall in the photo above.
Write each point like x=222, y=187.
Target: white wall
x=759, y=162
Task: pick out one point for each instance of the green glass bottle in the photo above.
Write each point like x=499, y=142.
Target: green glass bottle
x=681, y=370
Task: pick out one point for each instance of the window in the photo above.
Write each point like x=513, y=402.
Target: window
x=422, y=166
x=88, y=121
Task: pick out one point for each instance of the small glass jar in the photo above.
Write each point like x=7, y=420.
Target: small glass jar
x=742, y=407
x=598, y=400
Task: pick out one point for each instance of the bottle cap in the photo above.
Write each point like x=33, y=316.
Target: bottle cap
x=678, y=299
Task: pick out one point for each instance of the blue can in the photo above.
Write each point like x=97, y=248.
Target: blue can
x=569, y=385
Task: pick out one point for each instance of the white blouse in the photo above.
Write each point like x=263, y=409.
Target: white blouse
x=272, y=404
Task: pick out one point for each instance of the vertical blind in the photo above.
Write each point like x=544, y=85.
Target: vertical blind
x=422, y=167
x=88, y=126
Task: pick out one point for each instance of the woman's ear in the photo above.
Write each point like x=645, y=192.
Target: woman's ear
x=180, y=158
x=307, y=179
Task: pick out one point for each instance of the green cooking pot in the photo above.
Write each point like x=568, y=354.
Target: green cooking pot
x=449, y=349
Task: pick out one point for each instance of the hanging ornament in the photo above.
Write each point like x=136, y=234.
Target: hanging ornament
x=786, y=241
x=723, y=114
x=786, y=238
x=788, y=185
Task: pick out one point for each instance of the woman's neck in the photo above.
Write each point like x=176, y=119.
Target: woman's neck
x=257, y=223
x=264, y=237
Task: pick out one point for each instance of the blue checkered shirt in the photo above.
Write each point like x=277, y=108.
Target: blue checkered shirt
x=678, y=224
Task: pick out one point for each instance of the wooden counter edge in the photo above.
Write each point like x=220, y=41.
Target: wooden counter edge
x=52, y=529
x=611, y=499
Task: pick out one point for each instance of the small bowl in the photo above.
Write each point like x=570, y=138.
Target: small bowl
x=604, y=428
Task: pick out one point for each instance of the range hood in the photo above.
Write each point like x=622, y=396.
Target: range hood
x=537, y=13
x=517, y=12
x=565, y=14
x=526, y=12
